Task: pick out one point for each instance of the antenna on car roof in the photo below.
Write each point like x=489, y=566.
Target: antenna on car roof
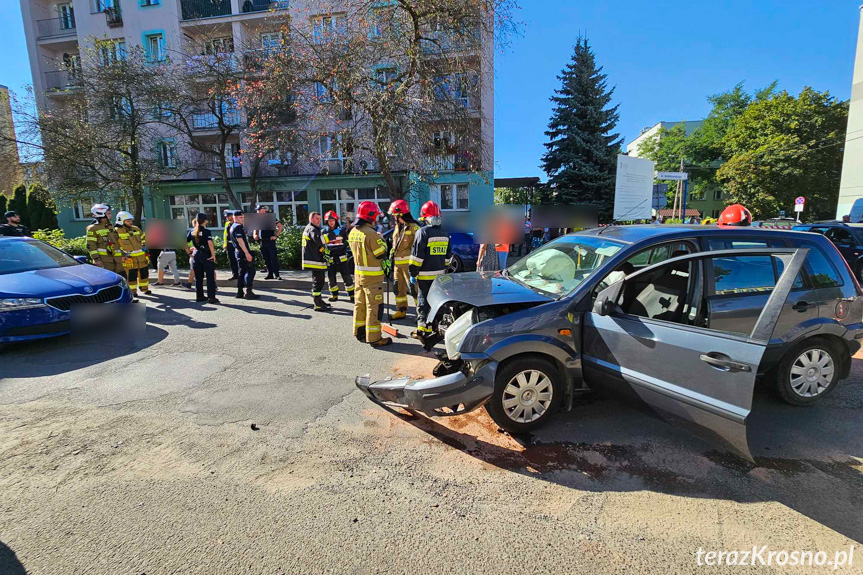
x=622, y=218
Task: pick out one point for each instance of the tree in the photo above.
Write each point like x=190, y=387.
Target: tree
x=539, y=195
x=104, y=139
x=396, y=85
x=40, y=209
x=782, y=147
x=3, y=202
x=581, y=156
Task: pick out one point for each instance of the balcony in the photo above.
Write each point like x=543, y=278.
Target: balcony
x=60, y=80
x=114, y=17
x=55, y=27
x=197, y=9
x=208, y=122
x=214, y=63
x=446, y=163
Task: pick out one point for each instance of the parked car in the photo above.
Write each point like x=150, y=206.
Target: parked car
x=848, y=239
x=682, y=318
x=464, y=251
x=39, y=284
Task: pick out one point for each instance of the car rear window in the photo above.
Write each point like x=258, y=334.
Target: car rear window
x=743, y=274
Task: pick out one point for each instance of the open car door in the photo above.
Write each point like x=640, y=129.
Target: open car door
x=648, y=337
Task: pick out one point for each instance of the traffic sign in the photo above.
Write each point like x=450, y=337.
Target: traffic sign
x=798, y=207
x=800, y=201
x=677, y=176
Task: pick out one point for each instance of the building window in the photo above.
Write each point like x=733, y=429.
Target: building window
x=382, y=21
x=292, y=207
x=454, y=197
x=325, y=27
x=717, y=194
x=81, y=208
x=336, y=146
x=385, y=77
x=715, y=214
x=110, y=51
x=271, y=42
x=219, y=46
x=185, y=208
x=232, y=160
x=459, y=88
x=67, y=16
x=154, y=46
x=167, y=150
x=324, y=93
x=344, y=202
x=144, y=3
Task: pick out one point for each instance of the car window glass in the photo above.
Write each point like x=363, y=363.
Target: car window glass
x=821, y=231
x=735, y=244
x=743, y=274
x=663, y=294
x=821, y=271
x=840, y=236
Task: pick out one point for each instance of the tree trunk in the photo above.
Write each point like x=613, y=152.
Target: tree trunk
x=226, y=182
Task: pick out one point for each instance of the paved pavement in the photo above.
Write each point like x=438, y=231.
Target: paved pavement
x=142, y=458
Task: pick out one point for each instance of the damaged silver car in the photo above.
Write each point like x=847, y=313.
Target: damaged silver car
x=681, y=318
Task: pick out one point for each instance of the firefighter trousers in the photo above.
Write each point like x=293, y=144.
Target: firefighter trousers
x=139, y=278
x=368, y=309
x=343, y=268
x=403, y=284
x=423, y=307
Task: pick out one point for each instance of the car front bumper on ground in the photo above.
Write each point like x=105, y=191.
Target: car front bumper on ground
x=448, y=395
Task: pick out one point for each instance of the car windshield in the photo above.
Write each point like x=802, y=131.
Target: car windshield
x=23, y=256
x=559, y=267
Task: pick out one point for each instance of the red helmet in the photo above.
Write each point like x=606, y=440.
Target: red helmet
x=399, y=207
x=430, y=210
x=368, y=211
x=735, y=215
x=331, y=215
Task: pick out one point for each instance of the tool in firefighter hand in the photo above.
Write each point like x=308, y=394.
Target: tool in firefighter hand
x=388, y=328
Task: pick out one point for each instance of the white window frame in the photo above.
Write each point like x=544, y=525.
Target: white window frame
x=111, y=51
x=66, y=14
x=81, y=209
x=271, y=42
x=193, y=208
x=327, y=26
x=443, y=189
x=218, y=46
x=717, y=194
x=155, y=47
x=168, y=153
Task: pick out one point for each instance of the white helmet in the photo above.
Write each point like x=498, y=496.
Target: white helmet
x=100, y=210
x=123, y=216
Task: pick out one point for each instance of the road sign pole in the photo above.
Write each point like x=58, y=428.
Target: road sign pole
x=685, y=189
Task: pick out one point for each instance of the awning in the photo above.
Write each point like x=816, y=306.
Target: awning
x=669, y=213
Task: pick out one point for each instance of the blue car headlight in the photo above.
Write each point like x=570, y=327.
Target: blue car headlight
x=19, y=303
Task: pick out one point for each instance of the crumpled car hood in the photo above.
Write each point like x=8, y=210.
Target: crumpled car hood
x=480, y=289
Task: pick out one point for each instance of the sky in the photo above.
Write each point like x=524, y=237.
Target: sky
x=663, y=57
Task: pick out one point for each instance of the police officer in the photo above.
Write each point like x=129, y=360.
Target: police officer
x=403, y=241
x=102, y=240
x=314, y=249
x=430, y=256
x=13, y=226
x=267, y=238
x=204, y=260
x=336, y=238
x=131, y=241
x=229, y=246
x=370, y=252
x=245, y=260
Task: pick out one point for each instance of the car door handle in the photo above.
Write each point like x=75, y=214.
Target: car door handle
x=722, y=362
x=802, y=306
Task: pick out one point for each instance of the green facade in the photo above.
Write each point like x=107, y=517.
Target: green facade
x=293, y=197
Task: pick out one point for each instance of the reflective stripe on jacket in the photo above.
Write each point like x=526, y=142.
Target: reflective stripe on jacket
x=102, y=241
x=431, y=253
x=403, y=242
x=313, y=248
x=369, y=251
x=131, y=243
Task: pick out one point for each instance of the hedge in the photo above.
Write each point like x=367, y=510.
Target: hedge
x=288, y=246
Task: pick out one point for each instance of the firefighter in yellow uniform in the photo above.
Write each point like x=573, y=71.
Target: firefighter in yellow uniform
x=403, y=240
x=135, y=261
x=102, y=240
x=370, y=252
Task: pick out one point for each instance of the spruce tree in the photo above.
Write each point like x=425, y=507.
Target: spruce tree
x=581, y=156
x=2, y=208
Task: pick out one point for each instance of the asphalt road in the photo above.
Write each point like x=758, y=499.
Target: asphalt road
x=131, y=458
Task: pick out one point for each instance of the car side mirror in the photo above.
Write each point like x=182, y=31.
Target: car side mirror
x=81, y=259
x=606, y=299
x=602, y=306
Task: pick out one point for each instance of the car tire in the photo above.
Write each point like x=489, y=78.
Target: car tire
x=455, y=266
x=799, y=379
x=521, y=386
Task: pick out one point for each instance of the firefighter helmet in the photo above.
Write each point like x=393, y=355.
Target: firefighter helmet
x=100, y=210
x=123, y=216
x=331, y=215
x=735, y=215
x=430, y=210
x=368, y=211
x=399, y=207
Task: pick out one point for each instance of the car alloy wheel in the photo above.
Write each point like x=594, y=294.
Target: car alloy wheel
x=812, y=373
x=527, y=396
x=455, y=265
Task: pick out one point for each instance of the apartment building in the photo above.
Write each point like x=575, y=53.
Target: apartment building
x=244, y=30
x=851, y=186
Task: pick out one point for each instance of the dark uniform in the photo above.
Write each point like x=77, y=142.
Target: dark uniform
x=230, y=250
x=430, y=256
x=202, y=264
x=246, y=270
x=337, y=245
x=15, y=231
x=369, y=251
x=313, y=260
x=268, y=251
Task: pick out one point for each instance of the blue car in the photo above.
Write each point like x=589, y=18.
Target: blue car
x=39, y=284
x=464, y=251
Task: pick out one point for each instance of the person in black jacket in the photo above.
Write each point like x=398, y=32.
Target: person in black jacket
x=244, y=257
x=336, y=238
x=13, y=226
x=204, y=260
x=314, y=249
x=430, y=256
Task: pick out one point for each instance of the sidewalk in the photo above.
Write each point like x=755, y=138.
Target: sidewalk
x=291, y=279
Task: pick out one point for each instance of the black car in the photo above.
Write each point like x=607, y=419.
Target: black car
x=848, y=239
x=681, y=318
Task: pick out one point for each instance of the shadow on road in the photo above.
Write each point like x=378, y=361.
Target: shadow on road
x=808, y=459
x=9, y=564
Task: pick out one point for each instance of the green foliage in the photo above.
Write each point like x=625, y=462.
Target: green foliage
x=782, y=147
x=40, y=209
x=523, y=196
x=581, y=156
x=3, y=201
x=55, y=237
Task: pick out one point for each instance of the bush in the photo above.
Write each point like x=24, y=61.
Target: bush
x=56, y=238
x=288, y=246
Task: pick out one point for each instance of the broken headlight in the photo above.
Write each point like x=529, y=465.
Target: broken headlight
x=455, y=333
